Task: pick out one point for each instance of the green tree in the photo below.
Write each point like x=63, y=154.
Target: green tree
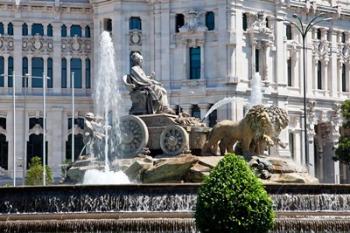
x=342, y=152
x=233, y=200
x=35, y=173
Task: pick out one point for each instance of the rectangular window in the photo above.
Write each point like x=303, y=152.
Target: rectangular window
x=289, y=72
x=10, y=72
x=49, y=73
x=180, y=21
x=135, y=23
x=37, y=72
x=107, y=25
x=245, y=22
x=289, y=32
x=63, y=31
x=2, y=70
x=37, y=29
x=291, y=145
x=75, y=67
x=75, y=30
x=88, y=73
x=1, y=28
x=195, y=63
x=257, y=60
x=319, y=75
x=343, y=78
x=64, y=73
x=24, y=72
x=210, y=20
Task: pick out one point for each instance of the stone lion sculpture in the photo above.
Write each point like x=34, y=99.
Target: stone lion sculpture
x=258, y=130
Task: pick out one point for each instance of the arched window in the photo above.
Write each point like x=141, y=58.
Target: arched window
x=77, y=121
x=49, y=72
x=289, y=32
x=10, y=29
x=10, y=72
x=210, y=20
x=1, y=28
x=257, y=60
x=63, y=31
x=75, y=30
x=319, y=75
x=63, y=73
x=37, y=29
x=244, y=22
x=2, y=71
x=267, y=22
x=75, y=67
x=49, y=30
x=3, y=150
x=179, y=21
x=195, y=111
x=24, y=72
x=195, y=63
x=88, y=73
x=37, y=71
x=87, y=32
x=343, y=78
x=135, y=23
x=24, y=29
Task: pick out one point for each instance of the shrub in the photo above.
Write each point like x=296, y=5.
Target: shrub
x=233, y=200
x=35, y=173
x=342, y=152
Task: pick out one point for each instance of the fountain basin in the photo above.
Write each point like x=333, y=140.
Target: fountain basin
x=159, y=208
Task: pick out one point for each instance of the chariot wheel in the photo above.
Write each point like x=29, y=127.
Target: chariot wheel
x=134, y=136
x=174, y=140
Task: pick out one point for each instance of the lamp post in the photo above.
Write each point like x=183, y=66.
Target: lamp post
x=73, y=119
x=304, y=29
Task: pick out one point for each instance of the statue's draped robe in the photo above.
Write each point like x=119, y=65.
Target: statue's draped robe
x=157, y=94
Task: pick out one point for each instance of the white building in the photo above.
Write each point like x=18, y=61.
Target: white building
x=201, y=50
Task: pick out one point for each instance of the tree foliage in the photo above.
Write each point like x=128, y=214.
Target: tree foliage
x=35, y=173
x=233, y=200
x=342, y=152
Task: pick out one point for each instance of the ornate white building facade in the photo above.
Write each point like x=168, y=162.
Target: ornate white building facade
x=201, y=50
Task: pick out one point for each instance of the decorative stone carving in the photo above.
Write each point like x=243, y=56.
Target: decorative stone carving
x=6, y=43
x=336, y=121
x=344, y=52
x=193, y=22
x=37, y=130
x=259, y=25
x=135, y=37
x=76, y=45
x=37, y=44
x=311, y=119
x=321, y=49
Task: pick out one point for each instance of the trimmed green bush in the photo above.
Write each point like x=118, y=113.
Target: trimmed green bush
x=342, y=152
x=35, y=173
x=233, y=200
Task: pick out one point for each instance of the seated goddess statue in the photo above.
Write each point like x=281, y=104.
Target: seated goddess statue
x=147, y=95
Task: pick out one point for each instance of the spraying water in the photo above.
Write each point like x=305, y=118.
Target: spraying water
x=256, y=94
x=255, y=98
x=107, y=105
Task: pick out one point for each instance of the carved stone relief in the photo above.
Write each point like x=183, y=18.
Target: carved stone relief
x=37, y=44
x=76, y=45
x=6, y=43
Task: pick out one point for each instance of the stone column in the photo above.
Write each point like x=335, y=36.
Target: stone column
x=336, y=121
x=30, y=72
x=57, y=57
x=325, y=77
x=280, y=56
x=311, y=121
x=29, y=28
x=253, y=47
x=314, y=85
x=164, y=40
x=83, y=73
x=339, y=77
x=333, y=80
x=56, y=139
x=310, y=75
x=5, y=24
x=202, y=60
x=45, y=57
x=17, y=53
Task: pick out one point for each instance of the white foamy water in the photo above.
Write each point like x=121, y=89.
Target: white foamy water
x=94, y=176
x=256, y=94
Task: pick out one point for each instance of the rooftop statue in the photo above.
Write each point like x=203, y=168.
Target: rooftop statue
x=147, y=95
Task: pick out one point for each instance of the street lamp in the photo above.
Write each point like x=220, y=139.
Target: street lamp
x=304, y=30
